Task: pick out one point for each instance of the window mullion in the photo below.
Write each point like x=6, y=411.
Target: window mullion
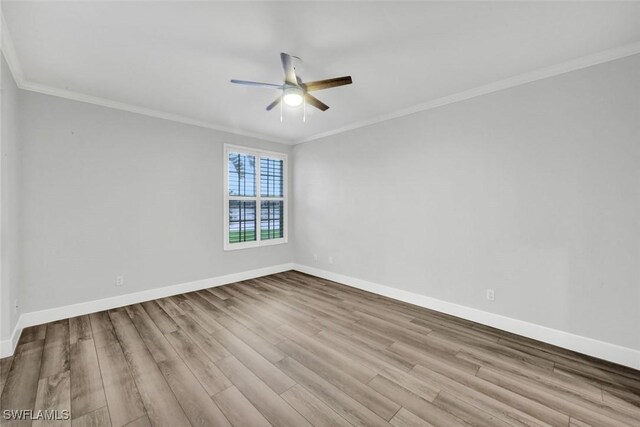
x=258, y=202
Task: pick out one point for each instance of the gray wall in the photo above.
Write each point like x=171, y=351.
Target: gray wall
x=106, y=193
x=533, y=191
x=9, y=167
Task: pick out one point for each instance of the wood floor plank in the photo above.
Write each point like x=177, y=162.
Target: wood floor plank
x=320, y=309
x=257, y=316
x=159, y=401
x=5, y=367
x=123, y=398
x=419, y=355
x=234, y=291
x=266, y=332
x=311, y=301
x=195, y=401
x=205, y=320
x=406, y=418
x=79, y=329
x=97, y=418
x=563, y=356
x=102, y=329
x=379, y=363
x=491, y=402
x=163, y=321
x=238, y=410
x=350, y=409
x=220, y=293
x=517, y=367
x=87, y=392
x=512, y=399
x=443, y=326
x=577, y=423
x=150, y=333
x=261, y=367
x=203, y=310
x=313, y=409
x=364, y=394
x=467, y=412
x=601, y=376
x=54, y=395
x=285, y=312
x=55, y=357
x=472, y=344
x=140, y=422
x=626, y=402
x=576, y=408
x=381, y=312
x=349, y=364
x=214, y=350
x=207, y=373
x=170, y=307
x=424, y=409
x=255, y=341
x=356, y=330
x=270, y=404
x=218, y=304
x=21, y=387
x=32, y=333
x=293, y=349
x=368, y=354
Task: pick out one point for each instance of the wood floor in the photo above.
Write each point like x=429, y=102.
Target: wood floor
x=294, y=350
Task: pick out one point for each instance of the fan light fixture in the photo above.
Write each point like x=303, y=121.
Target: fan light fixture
x=294, y=91
x=292, y=96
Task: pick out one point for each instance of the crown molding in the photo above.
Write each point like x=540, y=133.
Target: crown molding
x=543, y=73
x=75, y=96
x=7, y=47
x=9, y=52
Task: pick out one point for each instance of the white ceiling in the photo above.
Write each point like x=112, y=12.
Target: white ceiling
x=178, y=57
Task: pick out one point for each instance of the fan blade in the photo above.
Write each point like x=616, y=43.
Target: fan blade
x=258, y=84
x=329, y=83
x=274, y=103
x=312, y=100
x=289, y=72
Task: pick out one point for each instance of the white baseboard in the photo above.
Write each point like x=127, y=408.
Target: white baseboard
x=7, y=347
x=589, y=346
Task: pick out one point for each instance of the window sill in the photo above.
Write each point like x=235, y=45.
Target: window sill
x=249, y=245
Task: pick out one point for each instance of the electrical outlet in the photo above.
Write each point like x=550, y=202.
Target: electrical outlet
x=119, y=280
x=315, y=257
x=491, y=294
x=330, y=260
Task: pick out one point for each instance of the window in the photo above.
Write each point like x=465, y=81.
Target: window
x=255, y=198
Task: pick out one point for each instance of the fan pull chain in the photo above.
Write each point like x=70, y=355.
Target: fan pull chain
x=281, y=102
x=304, y=110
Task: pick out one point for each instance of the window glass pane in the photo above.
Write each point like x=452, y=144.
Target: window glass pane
x=242, y=221
x=242, y=175
x=271, y=177
x=272, y=221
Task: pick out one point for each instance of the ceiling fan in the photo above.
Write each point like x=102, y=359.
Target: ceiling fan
x=294, y=90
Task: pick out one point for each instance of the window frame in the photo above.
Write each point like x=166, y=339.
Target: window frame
x=258, y=198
